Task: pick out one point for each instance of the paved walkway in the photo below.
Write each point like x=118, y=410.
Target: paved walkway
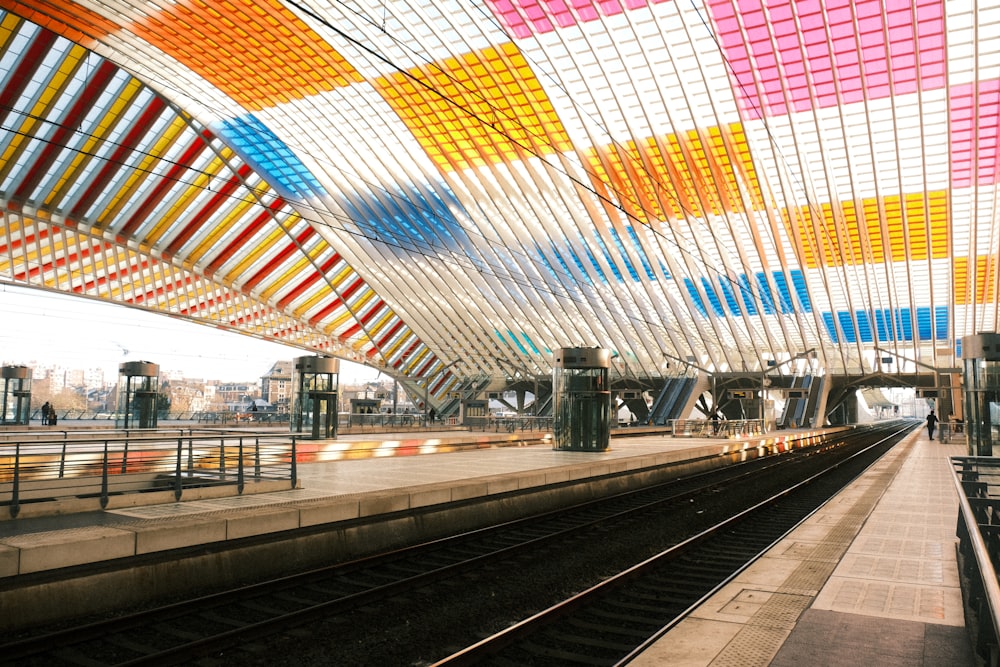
x=871, y=579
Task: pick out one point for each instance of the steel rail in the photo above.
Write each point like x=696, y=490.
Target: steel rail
x=482, y=651
x=612, y=510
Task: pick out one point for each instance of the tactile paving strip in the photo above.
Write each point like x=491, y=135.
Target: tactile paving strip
x=763, y=634
x=753, y=645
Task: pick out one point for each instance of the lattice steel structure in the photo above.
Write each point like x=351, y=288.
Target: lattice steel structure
x=451, y=189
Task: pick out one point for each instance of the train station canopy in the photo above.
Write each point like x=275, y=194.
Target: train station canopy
x=452, y=189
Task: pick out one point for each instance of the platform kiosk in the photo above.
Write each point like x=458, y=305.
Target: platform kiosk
x=474, y=412
x=981, y=387
x=581, y=399
x=16, y=395
x=314, y=399
x=365, y=410
x=138, y=382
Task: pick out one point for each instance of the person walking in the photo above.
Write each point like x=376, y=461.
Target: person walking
x=932, y=420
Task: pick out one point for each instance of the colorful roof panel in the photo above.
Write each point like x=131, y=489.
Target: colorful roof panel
x=458, y=188
x=113, y=193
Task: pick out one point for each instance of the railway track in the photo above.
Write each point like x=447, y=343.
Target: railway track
x=187, y=630
x=615, y=620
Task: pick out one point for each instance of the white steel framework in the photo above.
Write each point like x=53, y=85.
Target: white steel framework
x=452, y=189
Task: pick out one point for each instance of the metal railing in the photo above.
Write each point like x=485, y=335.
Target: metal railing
x=386, y=421
x=950, y=429
x=710, y=428
x=94, y=464
x=978, y=482
x=197, y=416
x=515, y=424
x=226, y=417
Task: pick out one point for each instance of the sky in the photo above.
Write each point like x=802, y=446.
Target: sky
x=46, y=328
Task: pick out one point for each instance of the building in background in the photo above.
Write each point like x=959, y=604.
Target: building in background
x=236, y=396
x=276, y=385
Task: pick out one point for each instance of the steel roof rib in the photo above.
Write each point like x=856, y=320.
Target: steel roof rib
x=452, y=190
x=100, y=178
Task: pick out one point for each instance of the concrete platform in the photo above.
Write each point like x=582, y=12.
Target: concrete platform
x=871, y=579
x=340, y=480
x=354, y=500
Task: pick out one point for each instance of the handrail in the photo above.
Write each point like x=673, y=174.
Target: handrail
x=225, y=416
x=107, y=464
x=722, y=428
x=984, y=597
x=516, y=423
x=57, y=434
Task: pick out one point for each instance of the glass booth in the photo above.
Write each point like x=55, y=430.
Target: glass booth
x=138, y=382
x=581, y=399
x=365, y=411
x=314, y=401
x=16, y=395
x=474, y=413
x=981, y=387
